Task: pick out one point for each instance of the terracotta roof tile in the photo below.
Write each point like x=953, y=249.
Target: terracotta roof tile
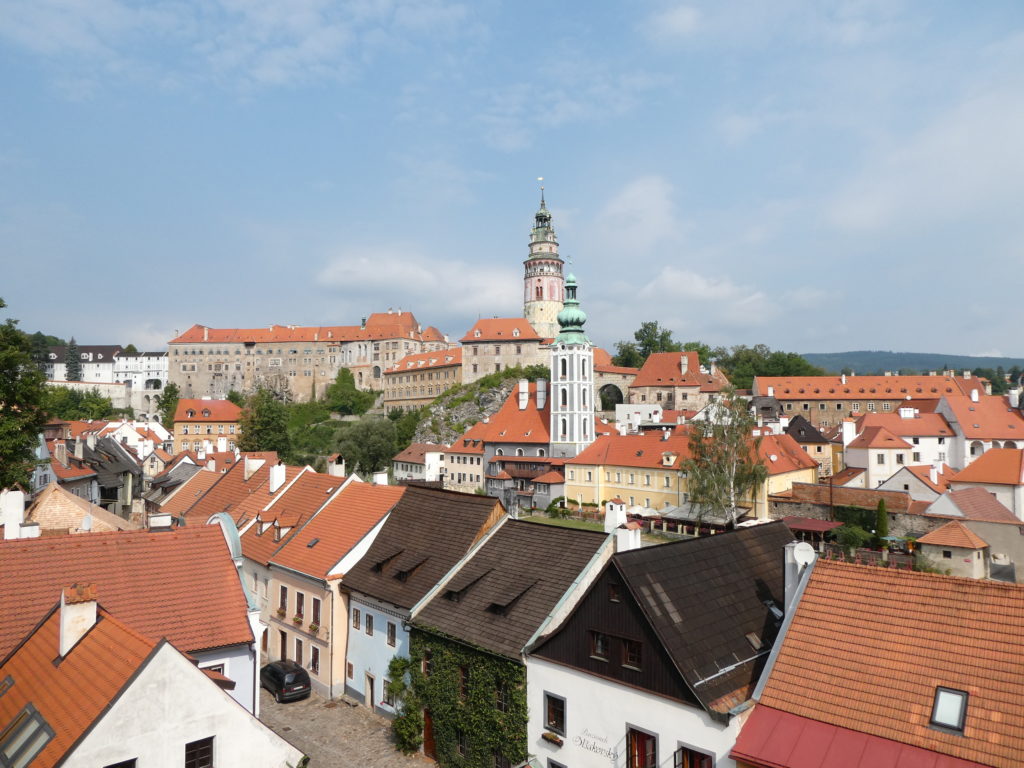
x=868, y=646
x=181, y=584
x=646, y=450
x=864, y=387
x=379, y=325
x=417, y=452
x=664, y=369
x=878, y=437
x=991, y=418
x=923, y=473
x=343, y=522
x=491, y=329
x=789, y=456
x=71, y=695
x=423, y=361
x=919, y=425
x=954, y=534
x=189, y=492
x=978, y=504
x=229, y=493
x=194, y=410
x=998, y=466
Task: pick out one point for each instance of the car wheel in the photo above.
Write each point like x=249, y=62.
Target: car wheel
x=277, y=696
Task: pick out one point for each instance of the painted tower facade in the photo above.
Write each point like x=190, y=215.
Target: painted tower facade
x=572, y=380
x=543, y=281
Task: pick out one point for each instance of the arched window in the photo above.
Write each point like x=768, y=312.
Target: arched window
x=583, y=368
x=564, y=430
x=499, y=452
x=519, y=451
x=584, y=398
x=564, y=396
x=564, y=367
x=540, y=292
x=541, y=452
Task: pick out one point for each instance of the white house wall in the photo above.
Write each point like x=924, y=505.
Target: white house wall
x=170, y=704
x=240, y=664
x=598, y=714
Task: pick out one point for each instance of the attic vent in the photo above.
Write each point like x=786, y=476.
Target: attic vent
x=403, y=576
x=313, y=543
x=754, y=639
x=378, y=567
x=503, y=609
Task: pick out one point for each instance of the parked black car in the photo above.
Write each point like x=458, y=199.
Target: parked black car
x=287, y=680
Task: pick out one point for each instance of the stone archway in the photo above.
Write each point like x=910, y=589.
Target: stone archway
x=610, y=395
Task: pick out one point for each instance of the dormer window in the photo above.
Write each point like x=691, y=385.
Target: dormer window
x=476, y=334
x=950, y=709
x=190, y=413
x=206, y=414
x=515, y=331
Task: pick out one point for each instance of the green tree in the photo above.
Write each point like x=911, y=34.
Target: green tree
x=73, y=363
x=264, y=424
x=649, y=338
x=345, y=398
x=236, y=397
x=743, y=363
x=368, y=445
x=130, y=351
x=21, y=398
x=74, y=404
x=881, y=522
x=724, y=466
x=40, y=349
x=167, y=404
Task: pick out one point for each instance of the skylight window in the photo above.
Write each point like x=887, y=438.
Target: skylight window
x=24, y=737
x=950, y=708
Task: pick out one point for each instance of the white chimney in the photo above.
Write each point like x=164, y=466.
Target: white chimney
x=79, y=448
x=524, y=394
x=974, y=395
x=849, y=432
x=206, y=333
x=933, y=475
x=380, y=478
x=60, y=453
x=614, y=514
x=771, y=391
x=12, y=512
x=160, y=521
x=843, y=378
x=336, y=468
x=276, y=477
x=91, y=439
x=1015, y=398
x=222, y=444
x=798, y=555
x=542, y=393
x=251, y=467
x=684, y=363
x=967, y=374
x=77, y=614
x=627, y=538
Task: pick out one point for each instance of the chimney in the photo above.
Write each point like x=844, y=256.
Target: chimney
x=1014, y=395
x=60, y=453
x=336, y=468
x=276, y=477
x=614, y=514
x=798, y=555
x=206, y=333
x=79, y=450
x=933, y=475
x=842, y=378
x=379, y=478
x=665, y=435
x=849, y=431
x=771, y=391
x=77, y=614
x=524, y=394
x=931, y=373
x=542, y=393
x=91, y=439
x=967, y=374
x=714, y=368
x=160, y=521
x=974, y=395
x=888, y=373
x=251, y=467
x=627, y=537
x=222, y=444
x=684, y=363
x=12, y=512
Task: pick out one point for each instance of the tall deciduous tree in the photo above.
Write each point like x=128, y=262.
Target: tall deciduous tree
x=73, y=363
x=345, y=398
x=724, y=467
x=21, y=412
x=264, y=424
x=649, y=338
x=130, y=351
x=167, y=404
x=369, y=444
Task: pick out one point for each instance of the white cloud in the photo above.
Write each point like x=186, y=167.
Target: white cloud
x=639, y=217
x=678, y=22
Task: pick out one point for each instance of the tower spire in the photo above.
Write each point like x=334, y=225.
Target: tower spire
x=543, y=283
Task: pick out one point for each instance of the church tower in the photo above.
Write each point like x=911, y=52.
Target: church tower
x=572, y=380
x=543, y=283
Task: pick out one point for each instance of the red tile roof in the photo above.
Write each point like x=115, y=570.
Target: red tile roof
x=978, y=504
x=181, y=584
x=920, y=425
x=512, y=425
x=206, y=411
x=229, y=493
x=787, y=453
x=954, y=534
x=878, y=437
x=864, y=387
x=326, y=538
x=998, y=466
x=73, y=694
x=417, y=452
x=491, y=329
x=379, y=325
x=646, y=450
x=664, y=369
x=991, y=418
x=867, y=647
x=924, y=474
x=426, y=361
x=471, y=441
x=189, y=492
x=844, y=476
x=551, y=477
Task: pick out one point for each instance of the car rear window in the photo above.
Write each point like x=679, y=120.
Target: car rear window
x=290, y=678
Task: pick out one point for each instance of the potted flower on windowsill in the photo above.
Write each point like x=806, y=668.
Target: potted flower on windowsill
x=296, y=620
x=554, y=738
x=280, y=613
x=314, y=628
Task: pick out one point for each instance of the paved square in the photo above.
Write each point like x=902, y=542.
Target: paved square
x=336, y=735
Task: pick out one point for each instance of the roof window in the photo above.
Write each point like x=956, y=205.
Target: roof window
x=950, y=708
x=24, y=737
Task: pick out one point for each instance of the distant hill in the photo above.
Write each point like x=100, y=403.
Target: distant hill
x=868, y=362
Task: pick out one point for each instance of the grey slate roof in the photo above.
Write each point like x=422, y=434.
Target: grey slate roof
x=503, y=594
x=703, y=596
x=801, y=430
x=427, y=532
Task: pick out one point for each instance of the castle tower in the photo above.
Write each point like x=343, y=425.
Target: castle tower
x=572, y=380
x=543, y=283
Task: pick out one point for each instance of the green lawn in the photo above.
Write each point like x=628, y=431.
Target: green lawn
x=566, y=522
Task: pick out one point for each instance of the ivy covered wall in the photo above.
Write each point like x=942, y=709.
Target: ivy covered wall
x=476, y=699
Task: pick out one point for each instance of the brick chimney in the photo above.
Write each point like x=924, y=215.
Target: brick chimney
x=77, y=614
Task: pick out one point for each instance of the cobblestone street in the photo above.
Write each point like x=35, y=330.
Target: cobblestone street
x=336, y=735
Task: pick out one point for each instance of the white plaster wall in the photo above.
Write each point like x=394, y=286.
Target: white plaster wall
x=372, y=655
x=918, y=490
x=969, y=563
x=170, y=704
x=599, y=712
x=240, y=665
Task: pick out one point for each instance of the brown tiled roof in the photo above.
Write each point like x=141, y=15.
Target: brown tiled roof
x=844, y=476
x=551, y=478
x=501, y=603
x=427, y=532
x=864, y=387
x=664, y=369
x=179, y=584
x=421, y=361
x=73, y=694
x=470, y=441
x=998, y=466
x=252, y=503
x=500, y=329
x=991, y=418
x=417, y=452
x=325, y=539
x=789, y=456
x=704, y=596
x=923, y=473
x=919, y=425
x=868, y=646
x=229, y=493
x=878, y=437
x=865, y=498
x=954, y=534
x=189, y=492
x=218, y=410
x=646, y=450
x=980, y=505
x=379, y=325
x=56, y=509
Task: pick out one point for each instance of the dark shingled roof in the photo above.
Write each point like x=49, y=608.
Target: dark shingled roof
x=510, y=585
x=801, y=430
x=427, y=532
x=704, y=596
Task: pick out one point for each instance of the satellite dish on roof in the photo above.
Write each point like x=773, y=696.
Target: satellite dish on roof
x=804, y=553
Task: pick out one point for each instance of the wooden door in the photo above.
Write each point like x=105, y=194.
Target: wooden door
x=429, y=747
x=370, y=692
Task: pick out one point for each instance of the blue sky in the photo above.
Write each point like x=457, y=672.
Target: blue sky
x=813, y=176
